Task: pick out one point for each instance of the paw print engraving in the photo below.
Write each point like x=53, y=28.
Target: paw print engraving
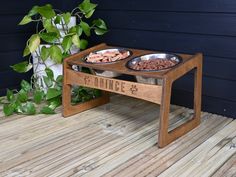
x=86, y=80
x=134, y=89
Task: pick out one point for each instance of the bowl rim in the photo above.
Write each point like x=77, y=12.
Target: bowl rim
x=111, y=62
x=159, y=70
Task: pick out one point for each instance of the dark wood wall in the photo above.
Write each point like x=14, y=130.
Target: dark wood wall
x=186, y=27
x=172, y=26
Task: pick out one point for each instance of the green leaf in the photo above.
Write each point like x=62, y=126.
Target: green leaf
x=28, y=108
x=26, y=51
x=46, y=11
x=8, y=109
x=66, y=17
x=83, y=44
x=76, y=40
x=58, y=84
x=54, y=102
x=89, y=14
x=25, y=85
x=57, y=19
x=52, y=93
x=59, y=79
x=48, y=81
x=97, y=93
x=85, y=27
x=86, y=6
x=65, y=55
x=10, y=95
x=99, y=23
x=49, y=73
x=49, y=37
x=67, y=43
x=56, y=54
x=22, y=96
x=99, y=31
x=79, y=30
x=17, y=105
x=47, y=24
x=22, y=67
x=27, y=19
x=33, y=11
x=38, y=96
x=45, y=53
x=47, y=110
x=72, y=30
x=34, y=42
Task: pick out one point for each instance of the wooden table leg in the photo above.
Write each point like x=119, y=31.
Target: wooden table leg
x=164, y=113
x=69, y=109
x=166, y=137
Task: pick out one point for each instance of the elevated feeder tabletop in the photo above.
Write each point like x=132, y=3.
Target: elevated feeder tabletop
x=159, y=94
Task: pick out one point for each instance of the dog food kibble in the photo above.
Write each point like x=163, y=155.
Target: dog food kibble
x=154, y=64
x=108, y=56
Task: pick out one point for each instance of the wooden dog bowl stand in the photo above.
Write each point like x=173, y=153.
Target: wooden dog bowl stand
x=159, y=94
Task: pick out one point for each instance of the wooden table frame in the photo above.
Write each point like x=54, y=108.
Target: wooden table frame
x=159, y=94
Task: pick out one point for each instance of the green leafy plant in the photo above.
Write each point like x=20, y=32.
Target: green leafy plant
x=33, y=100
x=43, y=94
x=49, y=33
x=30, y=101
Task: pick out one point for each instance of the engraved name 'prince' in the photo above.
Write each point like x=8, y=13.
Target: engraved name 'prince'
x=105, y=83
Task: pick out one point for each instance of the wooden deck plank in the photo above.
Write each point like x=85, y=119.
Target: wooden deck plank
x=74, y=125
x=119, y=151
x=114, y=144
x=29, y=121
x=158, y=160
x=122, y=156
x=78, y=149
x=57, y=124
x=228, y=169
x=199, y=161
x=116, y=139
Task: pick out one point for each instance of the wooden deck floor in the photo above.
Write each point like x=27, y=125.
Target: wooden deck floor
x=118, y=139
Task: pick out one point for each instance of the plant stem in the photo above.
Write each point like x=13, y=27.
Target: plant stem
x=74, y=10
x=79, y=16
x=66, y=30
x=38, y=56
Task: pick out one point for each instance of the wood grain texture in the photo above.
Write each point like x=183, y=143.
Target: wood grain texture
x=195, y=63
x=154, y=160
x=120, y=66
x=68, y=108
x=184, y=6
x=228, y=169
x=211, y=87
x=186, y=27
x=169, y=21
x=117, y=139
x=168, y=25
x=222, y=107
x=156, y=94
x=133, y=89
x=210, y=45
x=216, y=151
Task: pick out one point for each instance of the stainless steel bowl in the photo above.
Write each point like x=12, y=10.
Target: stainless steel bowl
x=154, y=56
x=108, y=73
